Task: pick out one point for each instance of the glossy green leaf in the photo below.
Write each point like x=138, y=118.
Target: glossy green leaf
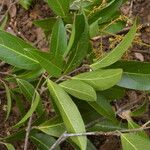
x=46, y=24
x=101, y=79
x=106, y=13
x=43, y=141
x=69, y=112
x=103, y=107
x=28, y=91
x=132, y=66
x=31, y=110
x=12, y=52
x=117, y=52
x=136, y=81
x=9, y=100
x=54, y=127
x=58, y=44
x=8, y=146
x=77, y=46
x=131, y=141
x=79, y=90
x=60, y=7
x=44, y=59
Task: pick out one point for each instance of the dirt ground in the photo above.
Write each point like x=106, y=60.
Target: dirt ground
x=20, y=24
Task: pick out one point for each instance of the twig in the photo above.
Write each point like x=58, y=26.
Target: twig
x=125, y=30
x=27, y=133
x=30, y=119
x=65, y=135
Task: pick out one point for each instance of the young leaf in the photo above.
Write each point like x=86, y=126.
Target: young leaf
x=100, y=79
x=12, y=52
x=103, y=107
x=31, y=110
x=131, y=141
x=8, y=146
x=136, y=81
x=60, y=7
x=78, y=46
x=43, y=141
x=117, y=52
x=69, y=112
x=28, y=91
x=79, y=90
x=9, y=101
x=58, y=44
x=54, y=127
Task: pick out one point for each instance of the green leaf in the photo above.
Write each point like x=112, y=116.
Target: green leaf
x=132, y=66
x=117, y=52
x=114, y=93
x=28, y=91
x=133, y=125
x=90, y=146
x=60, y=7
x=46, y=24
x=140, y=110
x=3, y=22
x=136, y=81
x=58, y=44
x=8, y=146
x=30, y=75
x=94, y=29
x=131, y=141
x=31, y=110
x=25, y=3
x=69, y=112
x=44, y=59
x=106, y=13
x=79, y=90
x=106, y=126
x=43, y=141
x=103, y=107
x=77, y=46
x=9, y=101
x=19, y=103
x=100, y=79
x=12, y=52
x=54, y=127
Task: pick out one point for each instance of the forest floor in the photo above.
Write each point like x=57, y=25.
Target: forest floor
x=20, y=23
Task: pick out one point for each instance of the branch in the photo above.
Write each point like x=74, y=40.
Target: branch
x=66, y=135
